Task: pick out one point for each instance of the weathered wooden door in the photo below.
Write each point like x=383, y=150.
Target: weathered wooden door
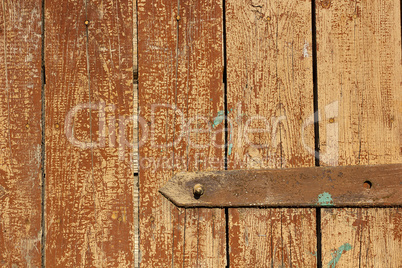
x=103, y=101
x=268, y=66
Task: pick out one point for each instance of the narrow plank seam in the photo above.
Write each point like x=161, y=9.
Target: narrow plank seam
x=174, y=133
x=90, y=109
x=225, y=107
x=316, y=127
x=43, y=145
x=136, y=143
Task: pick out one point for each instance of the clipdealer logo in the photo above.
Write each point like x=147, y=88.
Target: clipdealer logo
x=112, y=130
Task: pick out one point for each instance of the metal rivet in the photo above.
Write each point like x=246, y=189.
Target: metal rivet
x=198, y=190
x=177, y=17
x=354, y=16
x=57, y=125
x=332, y=120
x=27, y=126
x=268, y=18
x=86, y=22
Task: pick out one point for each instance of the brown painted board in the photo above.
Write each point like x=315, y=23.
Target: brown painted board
x=89, y=133
x=20, y=133
x=200, y=96
x=180, y=97
x=270, y=106
x=359, y=94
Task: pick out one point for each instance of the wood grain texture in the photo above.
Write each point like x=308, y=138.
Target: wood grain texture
x=355, y=237
x=359, y=91
x=180, y=94
x=89, y=134
x=20, y=133
x=199, y=96
x=270, y=100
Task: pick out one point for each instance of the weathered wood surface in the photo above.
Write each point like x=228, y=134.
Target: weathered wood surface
x=20, y=133
x=89, y=108
x=270, y=88
x=90, y=193
x=181, y=99
x=355, y=237
x=359, y=91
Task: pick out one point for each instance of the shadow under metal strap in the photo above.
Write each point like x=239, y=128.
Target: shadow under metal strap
x=344, y=186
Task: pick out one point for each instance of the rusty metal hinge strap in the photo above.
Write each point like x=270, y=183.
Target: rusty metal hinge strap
x=369, y=186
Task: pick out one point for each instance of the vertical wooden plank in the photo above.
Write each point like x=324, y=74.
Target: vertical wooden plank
x=270, y=106
x=200, y=95
x=156, y=78
x=359, y=91
x=159, y=226
x=110, y=56
x=180, y=94
x=20, y=133
x=89, y=133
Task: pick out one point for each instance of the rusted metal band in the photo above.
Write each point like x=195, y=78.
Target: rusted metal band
x=345, y=186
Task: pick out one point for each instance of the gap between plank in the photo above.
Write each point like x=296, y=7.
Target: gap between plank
x=43, y=151
x=225, y=104
x=316, y=127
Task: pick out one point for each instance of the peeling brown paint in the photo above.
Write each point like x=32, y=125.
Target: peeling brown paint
x=186, y=73
x=366, y=91
x=20, y=133
x=89, y=190
x=269, y=77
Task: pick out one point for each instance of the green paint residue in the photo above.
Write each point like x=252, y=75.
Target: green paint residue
x=230, y=149
x=325, y=199
x=314, y=253
x=230, y=145
x=338, y=254
x=218, y=119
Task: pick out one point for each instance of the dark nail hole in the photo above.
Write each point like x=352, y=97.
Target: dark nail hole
x=197, y=196
x=367, y=184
